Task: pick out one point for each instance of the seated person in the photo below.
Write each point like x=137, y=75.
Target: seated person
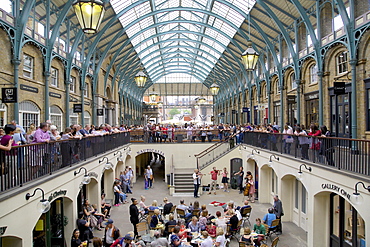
x=269, y=217
x=211, y=229
x=170, y=222
x=105, y=207
x=167, y=206
x=142, y=207
x=233, y=221
x=194, y=225
x=260, y=230
x=182, y=229
x=194, y=207
x=207, y=242
x=203, y=220
x=221, y=221
x=246, y=237
x=176, y=232
x=156, y=219
x=154, y=205
x=241, y=209
x=185, y=208
x=159, y=241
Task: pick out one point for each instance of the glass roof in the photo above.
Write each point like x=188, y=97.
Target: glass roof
x=178, y=37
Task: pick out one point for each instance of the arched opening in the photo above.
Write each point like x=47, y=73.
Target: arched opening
x=73, y=117
x=55, y=226
x=87, y=118
x=286, y=194
x=335, y=217
x=56, y=117
x=106, y=184
x=300, y=197
x=11, y=241
x=264, y=185
x=157, y=163
x=29, y=113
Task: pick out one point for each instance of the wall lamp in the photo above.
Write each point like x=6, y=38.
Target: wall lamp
x=241, y=147
x=300, y=173
x=87, y=178
x=108, y=165
x=119, y=158
x=127, y=150
x=44, y=205
x=357, y=198
x=252, y=155
x=275, y=157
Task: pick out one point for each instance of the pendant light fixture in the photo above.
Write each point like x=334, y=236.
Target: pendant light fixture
x=90, y=14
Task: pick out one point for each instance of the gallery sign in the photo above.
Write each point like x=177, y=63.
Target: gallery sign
x=57, y=194
x=336, y=189
x=150, y=150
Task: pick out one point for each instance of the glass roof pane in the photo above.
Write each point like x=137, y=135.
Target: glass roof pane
x=189, y=53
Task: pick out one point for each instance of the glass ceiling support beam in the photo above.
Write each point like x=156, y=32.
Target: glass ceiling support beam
x=280, y=10
x=157, y=74
x=17, y=42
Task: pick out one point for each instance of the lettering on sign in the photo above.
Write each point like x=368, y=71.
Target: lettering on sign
x=57, y=194
x=337, y=189
x=55, y=95
x=2, y=230
x=150, y=151
x=29, y=88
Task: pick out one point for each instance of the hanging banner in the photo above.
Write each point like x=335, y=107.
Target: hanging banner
x=9, y=95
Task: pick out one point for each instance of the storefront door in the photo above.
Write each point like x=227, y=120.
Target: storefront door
x=347, y=227
x=340, y=114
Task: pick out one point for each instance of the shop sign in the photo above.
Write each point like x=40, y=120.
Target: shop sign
x=73, y=99
x=150, y=151
x=29, y=88
x=9, y=95
x=55, y=95
x=246, y=109
x=312, y=96
x=2, y=230
x=336, y=189
x=86, y=103
x=99, y=112
x=57, y=194
x=77, y=108
x=339, y=87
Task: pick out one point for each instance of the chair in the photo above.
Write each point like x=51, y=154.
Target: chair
x=273, y=229
x=143, y=227
x=275, y=242
x=195, y=212
x=150, y=213
x=233, y=233
x=246, y=213
x=180, y=213
x=173, y=209
x=170, y=228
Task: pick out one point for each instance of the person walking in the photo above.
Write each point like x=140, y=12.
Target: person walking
x=214, y=173
x=150, y=177
x=240, y=174
x=134, y=216
x=279, y=212
x=196, y=177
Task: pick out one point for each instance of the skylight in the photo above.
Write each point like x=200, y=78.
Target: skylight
x=187, y=37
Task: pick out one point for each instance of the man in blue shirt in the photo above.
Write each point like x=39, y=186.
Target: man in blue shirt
x=269, y=217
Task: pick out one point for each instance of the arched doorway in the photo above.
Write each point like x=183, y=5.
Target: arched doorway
x=155, y=160
x=300, y=197
x=286, y=194
x=335, y=217
x=54, y=227
x=11, y=241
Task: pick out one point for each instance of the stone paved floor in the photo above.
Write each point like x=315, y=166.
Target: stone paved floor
x=292, y=235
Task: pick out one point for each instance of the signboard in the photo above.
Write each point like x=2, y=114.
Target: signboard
x=339, y=87
x=86, y=103
x=9, y=95
x=55, y=95
x=77, y=108
x=29, y=88
x=73, y=99
x=246, y=109
x=99, y=112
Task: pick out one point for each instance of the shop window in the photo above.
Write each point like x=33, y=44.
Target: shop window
x=312, y=112
x=313, y=74
x=72, y=85
x=3, y=109
x=56, y=117
x=342, y=62
x=272, y=181
x=276, y=112
x=54, y=77
x=28, y=66
x=29, y=113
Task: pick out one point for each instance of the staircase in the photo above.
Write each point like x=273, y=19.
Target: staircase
x=211, y=154
x=183, y=180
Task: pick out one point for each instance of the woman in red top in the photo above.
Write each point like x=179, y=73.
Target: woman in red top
x=315, y=142
x=211, y=229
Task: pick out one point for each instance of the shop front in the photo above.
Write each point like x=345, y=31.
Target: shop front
x=312, y=108
x=340, y=111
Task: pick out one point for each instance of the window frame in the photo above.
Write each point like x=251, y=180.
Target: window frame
x=72, y=85
x=28, y=68
x=313, y=74
x=54, y=77
x=341, y=62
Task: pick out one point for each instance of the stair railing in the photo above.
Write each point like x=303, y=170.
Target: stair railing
x=210, y=154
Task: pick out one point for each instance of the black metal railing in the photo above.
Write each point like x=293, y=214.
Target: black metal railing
x=343, y=153
x=25, y=163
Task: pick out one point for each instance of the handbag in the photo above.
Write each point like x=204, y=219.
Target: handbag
x=93, y=221
x=289, y=139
